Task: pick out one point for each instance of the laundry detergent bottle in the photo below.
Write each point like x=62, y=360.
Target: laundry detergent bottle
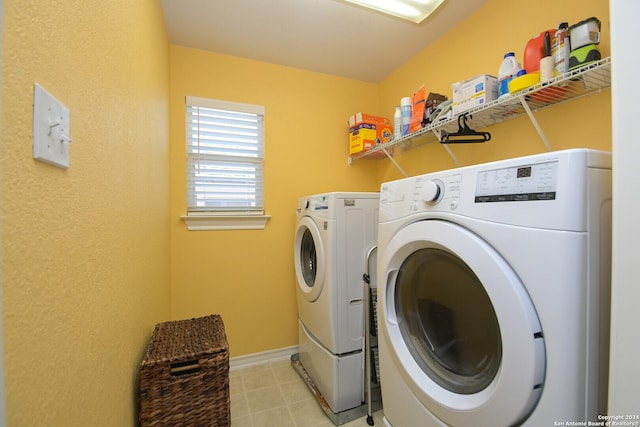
x=508, y=70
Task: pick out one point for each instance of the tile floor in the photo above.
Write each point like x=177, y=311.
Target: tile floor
x=273, y=395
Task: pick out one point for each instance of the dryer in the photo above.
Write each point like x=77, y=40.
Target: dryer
x=494, y=292
x=334, y=233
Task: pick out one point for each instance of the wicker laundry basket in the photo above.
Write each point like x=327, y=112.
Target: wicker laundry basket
x=184, y=377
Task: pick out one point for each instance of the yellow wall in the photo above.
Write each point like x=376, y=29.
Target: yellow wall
x=476, y=46
x=88, y=262
x=247, y=276
x=85, y=251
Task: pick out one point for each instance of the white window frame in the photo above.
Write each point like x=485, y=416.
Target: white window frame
x=218, y=218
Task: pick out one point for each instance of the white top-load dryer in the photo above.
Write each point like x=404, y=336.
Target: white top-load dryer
x=334, y=233
x=494, y=293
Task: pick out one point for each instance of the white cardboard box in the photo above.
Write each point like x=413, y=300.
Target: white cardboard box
x=474, y=92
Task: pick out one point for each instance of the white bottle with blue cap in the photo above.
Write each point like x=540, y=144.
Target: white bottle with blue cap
x=508, y=70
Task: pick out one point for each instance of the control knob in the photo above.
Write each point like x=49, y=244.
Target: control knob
x=432, y=192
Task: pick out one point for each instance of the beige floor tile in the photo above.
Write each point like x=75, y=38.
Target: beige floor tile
x=239, y=405
x=274, y=395
x=276, y=417
x=295, y=391
x=281, y=362
x=235, y=373
x=307, y=413
x=244, y=421
x=256, y=368
x=236, y=385
x=325, y=423
x=256, y=379
x=285, y=373
x=265, y=398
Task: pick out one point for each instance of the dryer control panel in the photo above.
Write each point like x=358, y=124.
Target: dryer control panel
x=536, y=181
x=445, y=188
x=556, y=182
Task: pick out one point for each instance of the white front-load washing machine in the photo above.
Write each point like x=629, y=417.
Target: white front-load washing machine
x=334, y=233
x=494, y=292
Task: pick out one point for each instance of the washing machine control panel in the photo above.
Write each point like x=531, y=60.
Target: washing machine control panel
x=428, y=192
x=432, y=191
x=520, y=183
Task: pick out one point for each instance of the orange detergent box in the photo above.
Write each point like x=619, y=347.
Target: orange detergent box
x=366, y=130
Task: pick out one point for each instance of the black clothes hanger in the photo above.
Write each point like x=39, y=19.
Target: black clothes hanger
x=465, y=134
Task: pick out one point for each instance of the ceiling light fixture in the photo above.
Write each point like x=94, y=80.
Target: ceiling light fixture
x=411, y=10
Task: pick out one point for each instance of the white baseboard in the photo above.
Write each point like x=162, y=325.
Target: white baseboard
x=263, y=357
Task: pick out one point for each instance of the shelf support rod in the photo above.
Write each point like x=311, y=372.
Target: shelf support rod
x=384, y=150
x=446, y=147
x=535, y=123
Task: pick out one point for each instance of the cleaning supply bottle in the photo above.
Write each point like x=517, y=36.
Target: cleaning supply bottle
x=397, y=123
x=508, y=70
x=405, y=105
x=561, y=49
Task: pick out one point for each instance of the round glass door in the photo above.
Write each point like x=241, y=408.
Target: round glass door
x=308, y=256
x=460, y=326
x=447, y=320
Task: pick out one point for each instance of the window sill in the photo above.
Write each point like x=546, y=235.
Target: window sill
x=225, y=222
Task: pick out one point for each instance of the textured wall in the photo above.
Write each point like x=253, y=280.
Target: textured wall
x=85, y=251
x=248, y=275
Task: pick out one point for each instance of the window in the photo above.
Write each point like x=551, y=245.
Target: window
x=225, y=159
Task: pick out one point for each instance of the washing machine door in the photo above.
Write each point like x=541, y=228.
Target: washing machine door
x=309, y=259
x=462, y=329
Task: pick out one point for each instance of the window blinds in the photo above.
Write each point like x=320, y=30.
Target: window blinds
x=225, y=156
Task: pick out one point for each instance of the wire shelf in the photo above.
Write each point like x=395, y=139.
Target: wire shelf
x=588, y=79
